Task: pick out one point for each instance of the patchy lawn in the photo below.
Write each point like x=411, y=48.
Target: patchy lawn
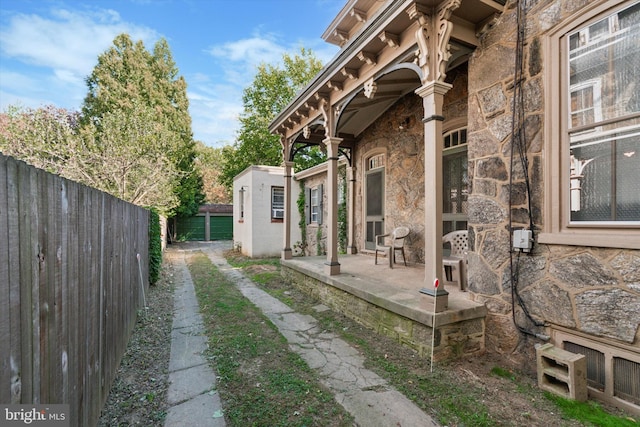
x=470, y=392
x=263, y=383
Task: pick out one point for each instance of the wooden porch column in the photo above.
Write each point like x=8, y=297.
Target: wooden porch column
x=432, y=94
x=332, y=267
x=351, y=180
x=286, y=234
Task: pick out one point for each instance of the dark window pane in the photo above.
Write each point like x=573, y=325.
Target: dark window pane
x=374, y=194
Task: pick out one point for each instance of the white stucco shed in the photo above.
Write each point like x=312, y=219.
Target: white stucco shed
x=259, y=209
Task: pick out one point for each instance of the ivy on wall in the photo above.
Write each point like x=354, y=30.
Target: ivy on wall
x=342, y=219
x=303, y=220
x=320, y=245
x=342, y=211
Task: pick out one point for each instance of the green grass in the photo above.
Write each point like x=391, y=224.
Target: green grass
x=589, y=413
x=235, y=259
x=503, y=373
x=261, y=382
x=438, y=393
x=433, y=393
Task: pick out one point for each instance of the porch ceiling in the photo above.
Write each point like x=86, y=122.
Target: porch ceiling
x=360, y=112
x=378, y=44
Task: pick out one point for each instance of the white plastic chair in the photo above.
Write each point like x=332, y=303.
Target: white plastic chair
x=454, y=265
x=396, y=243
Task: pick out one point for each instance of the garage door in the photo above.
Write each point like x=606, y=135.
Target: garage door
x=221, y=227
x=191, y=228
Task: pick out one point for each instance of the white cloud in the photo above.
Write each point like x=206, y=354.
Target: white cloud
x=64, y=45
x=240, y=58
x=214, y=112
x=16, y=81
x=216, y=108
x=253, y=50
x=68, y=41
x=35, y=90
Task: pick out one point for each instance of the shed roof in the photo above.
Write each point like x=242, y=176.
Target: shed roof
x=216, y=208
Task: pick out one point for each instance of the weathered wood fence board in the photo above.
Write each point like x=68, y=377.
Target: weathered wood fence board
x=71, y=262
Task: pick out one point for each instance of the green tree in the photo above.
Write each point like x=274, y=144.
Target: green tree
x=131, y=80
x=127, y=158
x=209, y=164
x=272, y=89
x=43, y=137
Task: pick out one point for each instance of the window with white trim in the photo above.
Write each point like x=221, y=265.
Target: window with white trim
x=595, y=133
x=277, y=203
x=603, y=67
x=315, y=204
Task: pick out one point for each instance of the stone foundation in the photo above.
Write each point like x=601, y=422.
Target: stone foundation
x=452, y=340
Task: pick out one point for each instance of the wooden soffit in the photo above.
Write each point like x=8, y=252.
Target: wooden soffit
x=377, y=64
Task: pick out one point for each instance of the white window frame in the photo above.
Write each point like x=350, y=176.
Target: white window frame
x=558, y=228
x=596, y=88
x=277, y=203
x=314, y=205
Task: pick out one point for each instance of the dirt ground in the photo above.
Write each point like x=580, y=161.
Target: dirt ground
x=138, y=395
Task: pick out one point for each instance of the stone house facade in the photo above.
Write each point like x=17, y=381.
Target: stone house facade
x=495, y=117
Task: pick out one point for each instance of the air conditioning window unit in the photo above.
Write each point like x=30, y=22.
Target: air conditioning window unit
x=277, y=213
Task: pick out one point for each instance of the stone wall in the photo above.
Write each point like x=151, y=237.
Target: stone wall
x=592, y=290
x=464, y=338
x=316, y=243
x=588, y=289
x=400, y=133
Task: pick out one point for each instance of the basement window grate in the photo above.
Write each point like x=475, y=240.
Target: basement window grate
x=626, y=379
x=613, y=369
x=595, y=364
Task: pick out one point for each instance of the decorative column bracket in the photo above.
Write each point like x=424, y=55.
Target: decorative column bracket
x=433, y=37
x=342, y=35
x=360, y=15
x=350, y=73
x=370, y=88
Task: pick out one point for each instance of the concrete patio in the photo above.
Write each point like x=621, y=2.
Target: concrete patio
x=390, y=302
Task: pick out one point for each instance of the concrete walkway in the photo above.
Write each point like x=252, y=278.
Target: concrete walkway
x=192, y=383
x=365, y=395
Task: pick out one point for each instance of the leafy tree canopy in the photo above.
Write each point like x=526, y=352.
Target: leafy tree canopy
x=130, y=79
x=133, y=138
x=124, y=159
x=44, y=137
x=209, y=163
x=272, y=89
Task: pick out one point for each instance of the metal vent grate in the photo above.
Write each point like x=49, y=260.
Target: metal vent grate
x=626, y=379
x=595, y=364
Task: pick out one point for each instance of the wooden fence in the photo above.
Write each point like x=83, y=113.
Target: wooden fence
x=73, y=267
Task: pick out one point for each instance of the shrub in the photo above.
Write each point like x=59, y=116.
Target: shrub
x=155, y=247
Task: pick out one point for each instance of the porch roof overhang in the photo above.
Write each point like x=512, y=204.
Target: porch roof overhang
x=375, y=67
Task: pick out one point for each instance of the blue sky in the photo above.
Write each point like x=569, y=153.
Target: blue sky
x=47, y=48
